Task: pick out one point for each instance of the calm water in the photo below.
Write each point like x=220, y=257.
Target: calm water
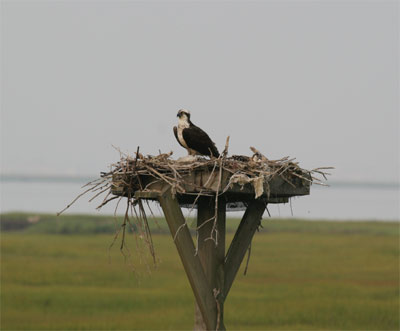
x=339, y=201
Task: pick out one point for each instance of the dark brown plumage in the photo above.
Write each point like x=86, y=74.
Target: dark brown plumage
x=191, y=137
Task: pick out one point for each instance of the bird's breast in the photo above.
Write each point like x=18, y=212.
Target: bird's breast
x=180, y=137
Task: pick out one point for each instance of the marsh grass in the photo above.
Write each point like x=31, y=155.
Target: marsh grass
x=302, y=275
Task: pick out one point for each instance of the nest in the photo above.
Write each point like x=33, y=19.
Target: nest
x=129, y=174
x=141, y=173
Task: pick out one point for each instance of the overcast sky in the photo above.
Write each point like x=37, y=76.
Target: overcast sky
x=318, y=81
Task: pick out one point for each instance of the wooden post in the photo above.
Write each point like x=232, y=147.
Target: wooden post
x=191, y=262
x=211, y=256
x=210, y=273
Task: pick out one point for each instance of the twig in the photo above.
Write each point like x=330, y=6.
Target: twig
x=73, y=201
x=216, y=293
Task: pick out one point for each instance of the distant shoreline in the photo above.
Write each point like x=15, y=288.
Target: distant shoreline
x=235, y=219
x=96, y=224
x=85, y=179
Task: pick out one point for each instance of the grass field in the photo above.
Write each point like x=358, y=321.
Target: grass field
x=302, y=275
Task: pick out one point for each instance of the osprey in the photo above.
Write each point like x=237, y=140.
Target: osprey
x=191, y=137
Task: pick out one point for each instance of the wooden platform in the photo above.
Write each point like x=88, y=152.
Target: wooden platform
x=276, y=190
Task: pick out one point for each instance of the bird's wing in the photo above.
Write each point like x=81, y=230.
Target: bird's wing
x=198, y=140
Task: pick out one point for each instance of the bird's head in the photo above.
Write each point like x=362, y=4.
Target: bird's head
x=184, y=114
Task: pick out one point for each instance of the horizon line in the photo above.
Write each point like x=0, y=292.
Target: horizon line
x=83, y=178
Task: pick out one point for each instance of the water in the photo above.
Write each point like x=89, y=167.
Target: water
x=340, y=201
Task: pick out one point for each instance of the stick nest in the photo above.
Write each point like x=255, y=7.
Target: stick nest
x=256, y=170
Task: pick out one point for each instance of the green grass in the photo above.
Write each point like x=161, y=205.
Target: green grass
x=302, y=275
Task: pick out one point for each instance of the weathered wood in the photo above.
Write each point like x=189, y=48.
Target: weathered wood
x=151, y=195
x=241, y=241
x=211, y=256
x=207, y=182
x=189, y=199
x=191, y=262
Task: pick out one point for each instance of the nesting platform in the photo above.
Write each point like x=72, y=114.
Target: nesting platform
x=211, y=185
x=208, y=179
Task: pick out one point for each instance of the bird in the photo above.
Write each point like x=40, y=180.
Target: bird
x=191, y=137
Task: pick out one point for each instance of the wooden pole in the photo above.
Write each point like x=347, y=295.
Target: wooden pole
x=210, y=273
x=212, y=255
x=191, y=262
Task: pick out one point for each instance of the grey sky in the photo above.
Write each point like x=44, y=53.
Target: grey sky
x=318, y=81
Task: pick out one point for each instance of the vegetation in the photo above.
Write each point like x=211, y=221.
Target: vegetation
x=302, y=275
x=96, y=224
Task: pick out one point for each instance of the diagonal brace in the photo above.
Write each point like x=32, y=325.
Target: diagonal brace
x=191, y=262
x=241, y=241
